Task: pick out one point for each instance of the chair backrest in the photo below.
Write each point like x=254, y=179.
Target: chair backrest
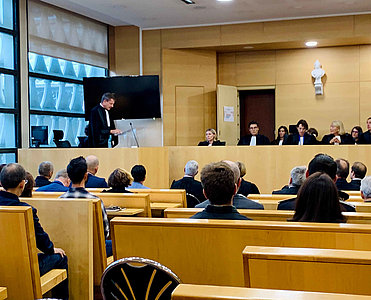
x=19, y=269
x=138, y=278
x=192, y=200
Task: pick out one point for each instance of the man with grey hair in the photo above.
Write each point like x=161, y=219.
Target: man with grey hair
x=60, y=184
x=366, y=189
x=94, y=181
x=297, y=177
x=239, y=201
x=188, y=182
x=45, y=173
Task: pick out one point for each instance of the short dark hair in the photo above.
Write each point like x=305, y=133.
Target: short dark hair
x=108, y=96
x=77, y=169
x=218, y=183
x=318, y=201
x=342, y=170
x=359, y=129
x=138, y=172
x=12, y=175
x=119, y=178
x=313, y=131
x=303, y=123
x=359, y=170
x=28, y=188
x=323, y=163
x=253, y=122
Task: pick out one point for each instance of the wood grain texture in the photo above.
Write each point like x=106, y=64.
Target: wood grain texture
x=3, y=293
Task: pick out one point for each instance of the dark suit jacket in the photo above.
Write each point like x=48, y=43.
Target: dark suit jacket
x=247, y=188
x=292, y=190
x=215, y=143
x=116, y=190
x=99, y=132
x=293, y=139
x=219, y=212
x=343, y=184
x=41, y=181
x=191, y=186
x=239, y=201
x=277, y=140
x=260, y=140
x=355, y=185
x=55, y=186
x=346, y=139
x=95, y=182
x=365, y=138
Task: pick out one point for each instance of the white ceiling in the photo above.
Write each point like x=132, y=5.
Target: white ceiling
x=174, y=13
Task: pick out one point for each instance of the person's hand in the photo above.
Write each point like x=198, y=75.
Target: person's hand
x=59, y=251
x=334, y=140
x=115, y=131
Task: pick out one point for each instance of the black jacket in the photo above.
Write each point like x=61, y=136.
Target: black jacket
x=41, y=181
x=219, y=212
x=191, y=186
x=365, y=138
x=292, y=190
x=247, y=188
x=294, y=139
x=215, y=143
x=99, y=131
x=260, y=140
x=346, y=139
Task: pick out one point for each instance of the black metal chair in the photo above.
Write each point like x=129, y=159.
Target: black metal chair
x=137, y=278
x=58, y=135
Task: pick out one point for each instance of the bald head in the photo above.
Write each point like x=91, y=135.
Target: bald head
x=93, y=164
x=235, y=169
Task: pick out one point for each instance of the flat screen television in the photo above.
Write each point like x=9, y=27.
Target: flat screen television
x=39, y=135
x=137, y=97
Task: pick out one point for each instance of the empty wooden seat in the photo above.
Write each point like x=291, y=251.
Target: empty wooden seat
x=212, y=292
x=19, y=269
x=308, y=269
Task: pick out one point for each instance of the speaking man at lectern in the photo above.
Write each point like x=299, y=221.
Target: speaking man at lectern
x=100, y=124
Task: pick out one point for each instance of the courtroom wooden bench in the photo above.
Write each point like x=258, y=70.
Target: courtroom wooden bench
x=19, y=268
x=3, y=293
x=308, y=269
x=266, y=215
x=212, y=292
x=209, y=251
x=270, y=196
x=353, y=193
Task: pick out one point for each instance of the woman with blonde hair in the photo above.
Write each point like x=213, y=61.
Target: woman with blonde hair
x=337, y=135
x=118, y=181
x=211, y=139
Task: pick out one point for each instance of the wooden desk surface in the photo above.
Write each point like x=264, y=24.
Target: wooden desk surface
x=3, y=293
x=164, y=205
x=125, y=212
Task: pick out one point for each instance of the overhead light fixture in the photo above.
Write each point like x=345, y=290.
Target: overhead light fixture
x=188, y=2
x=311, y=44
x=248, y=47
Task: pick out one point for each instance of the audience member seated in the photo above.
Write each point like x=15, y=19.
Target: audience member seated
x=318, y=201
x=325, y=164
x=29, y=185
x=281, y=137
x=313, y=132
x=118, y=181
x=188, y=182
x=358, y=172
x=13, y=180
x=337, y=135
x=365, y=137
x=342, y=172
x=356, y=134
x=60, y=184
x=45, y=173
x=93, y=166
x=254, y=138
x=139, y=174
x=211, y=139
x=77, y=171
x=218, y=181
x=246, y=187
x=297, y=177
x=366, y=189
x=239, y=201
x=301, y=137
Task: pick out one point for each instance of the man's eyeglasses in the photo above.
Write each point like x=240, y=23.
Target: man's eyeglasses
x=25, y=181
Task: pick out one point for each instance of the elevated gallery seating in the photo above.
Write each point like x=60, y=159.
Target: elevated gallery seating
x=19, y=269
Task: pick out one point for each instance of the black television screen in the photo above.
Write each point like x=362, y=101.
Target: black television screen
x=137, y=97
x=39, y=135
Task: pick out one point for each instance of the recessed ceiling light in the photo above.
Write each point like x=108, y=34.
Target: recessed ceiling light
x=188, y=2
x=311, y=44
x=248, y=47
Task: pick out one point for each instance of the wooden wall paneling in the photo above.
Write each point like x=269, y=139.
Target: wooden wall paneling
x=255, y=68
x=339, y=102
x=191, y=37
x=151, y=52
x=362, y=25
x=127, y=50
x=112, y=49
x=227, y=69
x=239, y=34
x=365, y=63
x=364, y=104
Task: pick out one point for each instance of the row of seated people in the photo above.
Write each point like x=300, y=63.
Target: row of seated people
x=303, y=136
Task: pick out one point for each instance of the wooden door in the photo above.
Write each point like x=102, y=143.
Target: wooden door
x=259, y=106
x=227, y=114
x=189, y=115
